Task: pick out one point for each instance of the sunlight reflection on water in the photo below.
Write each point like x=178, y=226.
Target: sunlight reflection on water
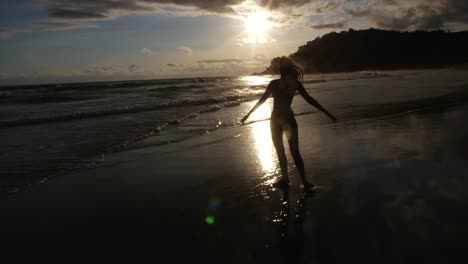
x=256, y=80
x=263, y=144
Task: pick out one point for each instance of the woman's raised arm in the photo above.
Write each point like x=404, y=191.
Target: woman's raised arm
x=260, y=101
x=314, y=102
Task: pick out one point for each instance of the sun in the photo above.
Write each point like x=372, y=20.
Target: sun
x=257, y=25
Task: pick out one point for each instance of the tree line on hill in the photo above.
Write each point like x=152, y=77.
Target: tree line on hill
x=375, y=49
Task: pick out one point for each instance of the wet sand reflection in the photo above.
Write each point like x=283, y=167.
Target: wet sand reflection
x=263, y=145
x=396, y=193
x=290, y=220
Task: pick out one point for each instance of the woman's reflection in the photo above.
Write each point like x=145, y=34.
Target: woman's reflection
x=292, y=239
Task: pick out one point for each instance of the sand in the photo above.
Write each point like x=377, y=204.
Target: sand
x=393, y=191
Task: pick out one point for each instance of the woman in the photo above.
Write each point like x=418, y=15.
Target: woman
x=282, y=117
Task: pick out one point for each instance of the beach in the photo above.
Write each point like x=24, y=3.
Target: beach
x=391, y=175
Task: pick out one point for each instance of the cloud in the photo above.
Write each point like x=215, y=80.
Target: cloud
x=357, y=9
x=56, y=26
x=216, y=6
x=86, y=9
x=418, y=14
x=220, y=67
x=146, y=51
x=105, y=9
x=108, y=9
x=174, y=65
x=261, y=58
x=340, y=24
x=276, y=4
x=221, y=61
x=101, y=70
x=134, y=68
x=112, y=70
x=4, y=33
x=327, y=6
x=389, y=14
x=77, y=14
x=44, y=26
x=186, y=50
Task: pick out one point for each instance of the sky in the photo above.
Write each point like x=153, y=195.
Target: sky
x=52, y=41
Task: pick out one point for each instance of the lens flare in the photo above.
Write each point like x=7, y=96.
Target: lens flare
x=210, y=220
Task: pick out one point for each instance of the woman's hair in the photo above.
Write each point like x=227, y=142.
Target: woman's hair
x=289, y=67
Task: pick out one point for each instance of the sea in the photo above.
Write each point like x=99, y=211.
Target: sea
x=50, y=129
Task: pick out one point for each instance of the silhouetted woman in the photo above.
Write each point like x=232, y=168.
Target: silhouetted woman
x=282, y=117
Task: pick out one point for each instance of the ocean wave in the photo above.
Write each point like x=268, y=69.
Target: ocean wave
x=220, y=100
x=360, y=76
x=181, y=87
x=315, y=81
x=45, y=98
x=112, y=84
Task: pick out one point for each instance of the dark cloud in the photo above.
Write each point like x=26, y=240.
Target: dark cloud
x=340, y=24
x=66, y=14
x=276, y=4
x=421, y=14
x=77, y=14
x=389, y=14
x=217, y=6
x=222, y=61
x=403, y=21
x=102, y=9
x=89, y=9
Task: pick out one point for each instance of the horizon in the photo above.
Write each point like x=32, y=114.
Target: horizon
x=73, y=41
x=129, y=80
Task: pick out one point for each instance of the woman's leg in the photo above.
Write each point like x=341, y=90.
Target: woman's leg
x=277, y=137
x=293, y=140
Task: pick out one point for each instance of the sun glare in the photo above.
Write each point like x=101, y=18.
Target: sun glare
x=256, y=27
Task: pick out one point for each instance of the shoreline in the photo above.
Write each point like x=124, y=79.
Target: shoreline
x=159, y=136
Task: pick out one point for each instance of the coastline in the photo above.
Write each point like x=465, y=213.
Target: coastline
x=335, y=89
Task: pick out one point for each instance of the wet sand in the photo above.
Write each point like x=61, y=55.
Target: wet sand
x=393, y=192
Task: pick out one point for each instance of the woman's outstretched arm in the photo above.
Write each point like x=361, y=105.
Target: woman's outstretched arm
x=314, y=102
x=259, y=103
